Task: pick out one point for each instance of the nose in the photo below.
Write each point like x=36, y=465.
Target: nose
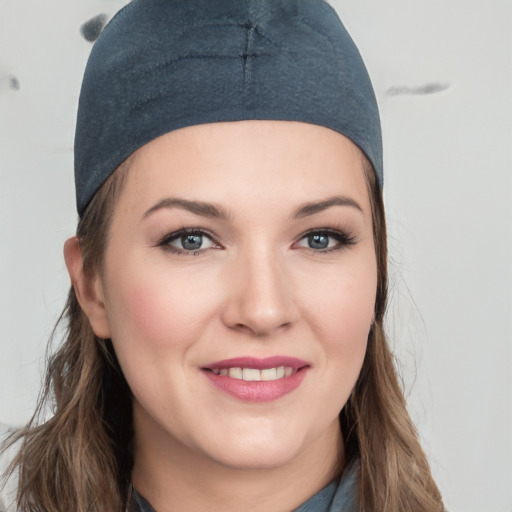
x=261, y=295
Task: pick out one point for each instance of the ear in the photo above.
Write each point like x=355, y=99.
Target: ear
x=88, y=290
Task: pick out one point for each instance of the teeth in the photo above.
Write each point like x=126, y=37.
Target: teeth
x=269, y=374
x=235, y=373
x=253, y=374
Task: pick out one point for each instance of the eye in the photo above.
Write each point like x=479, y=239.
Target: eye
x=187, y=241
x=325, y=240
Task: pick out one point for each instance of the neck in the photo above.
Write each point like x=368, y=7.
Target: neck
x=172, y=476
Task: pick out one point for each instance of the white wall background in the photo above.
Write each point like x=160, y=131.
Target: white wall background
x=443, y=76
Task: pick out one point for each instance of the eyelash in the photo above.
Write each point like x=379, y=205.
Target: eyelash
x=165, y=242
x=343, y=239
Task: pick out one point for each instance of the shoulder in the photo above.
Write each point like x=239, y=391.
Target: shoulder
x=8, y=486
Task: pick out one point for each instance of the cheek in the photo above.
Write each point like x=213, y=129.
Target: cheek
x=346, y=303
x=341, y=314
x=159, y=310
x=150, y=312
x=155, y=321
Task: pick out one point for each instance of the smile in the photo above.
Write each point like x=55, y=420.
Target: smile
x=250, y=379
x=255, y=375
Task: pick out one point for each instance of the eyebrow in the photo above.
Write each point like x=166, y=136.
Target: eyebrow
x=197, y=207
x=318, y=206
x=217, y=212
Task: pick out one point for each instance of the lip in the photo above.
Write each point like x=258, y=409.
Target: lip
x=257, y=391
x=257, y=363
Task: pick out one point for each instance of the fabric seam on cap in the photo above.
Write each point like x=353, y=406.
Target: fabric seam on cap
x=196, y=54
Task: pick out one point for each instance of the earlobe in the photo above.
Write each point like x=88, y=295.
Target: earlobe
x=88, y=290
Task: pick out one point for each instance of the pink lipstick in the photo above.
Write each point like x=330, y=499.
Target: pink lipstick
x=257, y=380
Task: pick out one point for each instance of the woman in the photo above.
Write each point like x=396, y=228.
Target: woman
x=225, y=343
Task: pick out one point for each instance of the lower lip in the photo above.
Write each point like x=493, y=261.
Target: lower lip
x=257, y=391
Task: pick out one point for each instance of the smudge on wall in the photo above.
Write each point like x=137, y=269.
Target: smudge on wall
x=420, y=90
x=92, y=28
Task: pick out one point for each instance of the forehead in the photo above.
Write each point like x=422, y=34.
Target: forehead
x=240, y=164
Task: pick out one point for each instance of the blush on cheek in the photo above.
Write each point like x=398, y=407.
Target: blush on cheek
x=149, y=315
x=146, y=313
x=346, y=316
x=159, y=315
x=349, y=305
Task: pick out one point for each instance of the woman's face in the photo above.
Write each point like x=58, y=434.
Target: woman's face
x=239, y=285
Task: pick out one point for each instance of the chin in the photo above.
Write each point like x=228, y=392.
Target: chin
x=253, y=459
x=257, y=451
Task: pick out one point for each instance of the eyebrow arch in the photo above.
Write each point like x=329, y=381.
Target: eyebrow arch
x=209, y=210
x=197, y=207
x=319, y=206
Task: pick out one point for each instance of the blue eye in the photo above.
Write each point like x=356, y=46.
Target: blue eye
x=325, y=240
x=187, y=241
x=191, y=242
x=318, y=241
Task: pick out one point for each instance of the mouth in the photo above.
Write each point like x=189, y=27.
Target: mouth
x=255, y=375
x=257, y=380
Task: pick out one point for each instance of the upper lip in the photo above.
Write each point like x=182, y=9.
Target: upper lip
x=258, y=363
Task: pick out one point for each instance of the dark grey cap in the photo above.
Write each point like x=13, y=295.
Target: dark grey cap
x=161, y=65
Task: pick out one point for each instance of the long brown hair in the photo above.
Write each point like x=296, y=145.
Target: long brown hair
x=81, y=458
x=394, y=471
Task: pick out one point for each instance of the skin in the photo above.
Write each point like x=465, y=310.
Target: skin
x=256, y=288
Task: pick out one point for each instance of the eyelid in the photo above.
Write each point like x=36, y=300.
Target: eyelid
x=165, y=241
x=344, y=239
